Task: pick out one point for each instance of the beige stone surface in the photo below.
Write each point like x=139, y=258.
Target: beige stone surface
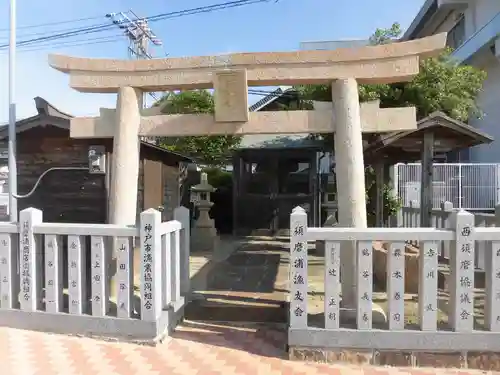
x=125, y=165
x=373, y=120
x=394, y=62
x=231, y=96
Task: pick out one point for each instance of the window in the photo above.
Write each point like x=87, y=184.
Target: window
x=456, y=36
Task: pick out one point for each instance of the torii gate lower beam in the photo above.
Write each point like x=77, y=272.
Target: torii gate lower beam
x=129, y=122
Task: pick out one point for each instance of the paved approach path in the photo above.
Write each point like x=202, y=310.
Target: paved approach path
x=196, y=348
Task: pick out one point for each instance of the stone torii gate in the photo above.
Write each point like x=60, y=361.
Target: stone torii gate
x=342, y=68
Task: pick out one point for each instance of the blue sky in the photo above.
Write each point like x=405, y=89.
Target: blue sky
x=271, y=26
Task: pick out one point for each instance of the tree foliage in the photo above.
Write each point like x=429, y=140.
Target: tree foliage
x=213, y=150
x=442, y=85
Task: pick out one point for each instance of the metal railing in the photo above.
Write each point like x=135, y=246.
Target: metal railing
x=469, y=186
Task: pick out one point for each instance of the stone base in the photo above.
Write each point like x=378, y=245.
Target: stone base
x=204, y=239
x=486, y=361
x=107, y=328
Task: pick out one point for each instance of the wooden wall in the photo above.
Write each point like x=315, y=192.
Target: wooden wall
x=64, y=196
x=80, y=197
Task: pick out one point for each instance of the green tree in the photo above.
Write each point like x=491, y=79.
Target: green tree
x=441, y=85
x=213, y=150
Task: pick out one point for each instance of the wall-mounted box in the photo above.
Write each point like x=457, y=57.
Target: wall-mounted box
x=97, y=160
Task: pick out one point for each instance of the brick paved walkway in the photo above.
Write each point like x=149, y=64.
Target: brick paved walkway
x=195, y=349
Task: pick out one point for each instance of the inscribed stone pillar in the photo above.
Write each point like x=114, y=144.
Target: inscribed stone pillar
x=350, y=174
x=125, y=166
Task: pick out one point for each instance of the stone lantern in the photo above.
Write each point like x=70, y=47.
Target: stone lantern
x=204, y=234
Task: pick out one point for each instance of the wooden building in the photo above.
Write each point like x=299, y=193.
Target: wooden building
x=66, y=195
x=273, y=174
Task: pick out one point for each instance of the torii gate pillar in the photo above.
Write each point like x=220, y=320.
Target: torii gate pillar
x=350, y=174
x=125, y=161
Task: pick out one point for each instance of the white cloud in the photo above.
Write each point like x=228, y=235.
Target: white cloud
x=34, y=78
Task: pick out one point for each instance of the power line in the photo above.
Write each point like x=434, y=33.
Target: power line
x=54, y=23
x=73, y=43
x=51, y=32
x=159, y=17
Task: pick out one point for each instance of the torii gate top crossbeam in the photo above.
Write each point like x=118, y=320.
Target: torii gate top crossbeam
x=388, y=63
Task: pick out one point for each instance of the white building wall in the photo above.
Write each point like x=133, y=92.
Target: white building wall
x=483, y=11
x=489, y=102
x=477, y=15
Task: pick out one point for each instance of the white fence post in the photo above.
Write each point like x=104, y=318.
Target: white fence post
x=77, y=272
x=9, y=284
x=332, y=284
x=461, y=316
x=447, y=208
x=175, y=245
x=394, y=175
x=415, y=217
x=492, y=287
x=53, y=273
x=151, y=265
x=427, y=285
x=395, y=280
x=30, y=259
x=460, y=183
x=409, y=216
x=99, y=276
x=124, y=276
x=181, y=214
x=166, y=270
x=298, y=268
x=364, y=285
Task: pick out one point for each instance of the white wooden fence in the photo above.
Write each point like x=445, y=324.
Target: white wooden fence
x=33, y=291
x=440, y=218
x=462, y=333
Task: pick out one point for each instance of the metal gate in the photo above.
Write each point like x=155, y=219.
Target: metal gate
x=471, y=186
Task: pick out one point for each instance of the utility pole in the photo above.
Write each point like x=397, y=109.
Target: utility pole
x=136, y=29
x=12, y=163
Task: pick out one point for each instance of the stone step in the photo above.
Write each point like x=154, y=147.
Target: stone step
x=238, y=310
